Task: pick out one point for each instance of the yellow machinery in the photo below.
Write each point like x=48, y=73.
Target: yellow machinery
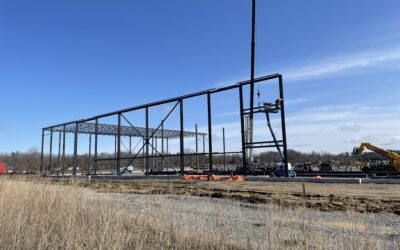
x=394, y=158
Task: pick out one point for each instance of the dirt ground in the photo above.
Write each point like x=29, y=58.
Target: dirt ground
x=371, y=198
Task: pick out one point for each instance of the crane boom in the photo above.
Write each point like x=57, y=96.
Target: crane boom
x=389, y=154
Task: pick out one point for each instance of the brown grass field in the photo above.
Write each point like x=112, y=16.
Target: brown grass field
x=42, y=214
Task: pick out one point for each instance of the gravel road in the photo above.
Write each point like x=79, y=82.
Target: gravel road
x=261, y=226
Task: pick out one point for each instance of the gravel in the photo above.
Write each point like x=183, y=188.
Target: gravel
x=261, y=226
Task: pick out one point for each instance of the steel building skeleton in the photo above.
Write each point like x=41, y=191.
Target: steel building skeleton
x=92, y=126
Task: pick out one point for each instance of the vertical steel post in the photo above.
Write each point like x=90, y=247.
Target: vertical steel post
x=96, y=132
x=75, y=160
x=144, y=151
x=283, y=124
x=51, y=151
x=182, y=156
x=90, y=153
x=197, y=146
x=223, y=146
x=147, y=140
x=162, y=146
x=204, y=151
x=119, y=146
x=130, y=146
x=41, y=154
x=167, y=145
x=152, y=153
x=210, y=151
x=115, y=154
x=59, y=152
x=155, y=151
x=244, y=160
x=63, y=152
x=253, y=45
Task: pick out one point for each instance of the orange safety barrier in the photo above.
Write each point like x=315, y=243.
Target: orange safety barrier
x=213, y=178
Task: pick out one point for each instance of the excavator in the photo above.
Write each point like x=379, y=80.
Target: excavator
x=394, y=158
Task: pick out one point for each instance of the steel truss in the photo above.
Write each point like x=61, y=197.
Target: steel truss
x=147, y=135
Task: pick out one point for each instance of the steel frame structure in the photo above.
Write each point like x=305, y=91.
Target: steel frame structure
x=91, y=126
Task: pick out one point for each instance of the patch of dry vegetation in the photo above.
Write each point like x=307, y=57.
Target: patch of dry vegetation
x=36, y=215
x=40, y=216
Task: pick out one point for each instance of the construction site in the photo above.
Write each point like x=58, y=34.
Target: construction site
x=176, y=173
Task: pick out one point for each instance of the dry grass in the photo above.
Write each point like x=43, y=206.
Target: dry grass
x=35, y=215
x=40, y=216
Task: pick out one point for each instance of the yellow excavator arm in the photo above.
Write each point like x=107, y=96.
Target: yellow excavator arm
x=391, y=155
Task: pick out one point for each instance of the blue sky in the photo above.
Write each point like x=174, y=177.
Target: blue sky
x=65, y=60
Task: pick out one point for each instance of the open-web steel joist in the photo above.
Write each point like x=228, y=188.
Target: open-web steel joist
x=109, y=129
x=92, y=126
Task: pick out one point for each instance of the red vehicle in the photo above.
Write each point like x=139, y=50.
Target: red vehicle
x=5, y=170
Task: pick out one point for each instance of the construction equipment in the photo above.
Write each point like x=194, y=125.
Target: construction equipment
x=394, y=158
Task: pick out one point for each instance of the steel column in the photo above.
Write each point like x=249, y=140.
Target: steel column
x=144, y=158
x=41, y=153
x=75, y=160
x=167, y=145
x=115, y=154
x=253, y=45
x=283, y=124
x=96, y=132
x=223, y=145
x=130, y=146
x=63, y=153
x=152, y=153
x=197, y=147
x=204, y=151
x=210, y=157
x=51, y=151
x=244, y=160
x=162, y=145
x=147, y=140
x=59, y=153
x=90, y=153
x=119, y=146
x=182, y=157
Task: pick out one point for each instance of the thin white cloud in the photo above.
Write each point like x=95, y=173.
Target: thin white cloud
x=350, y=127
x=345, y=64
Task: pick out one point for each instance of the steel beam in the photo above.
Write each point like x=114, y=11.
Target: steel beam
x=175, y=99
